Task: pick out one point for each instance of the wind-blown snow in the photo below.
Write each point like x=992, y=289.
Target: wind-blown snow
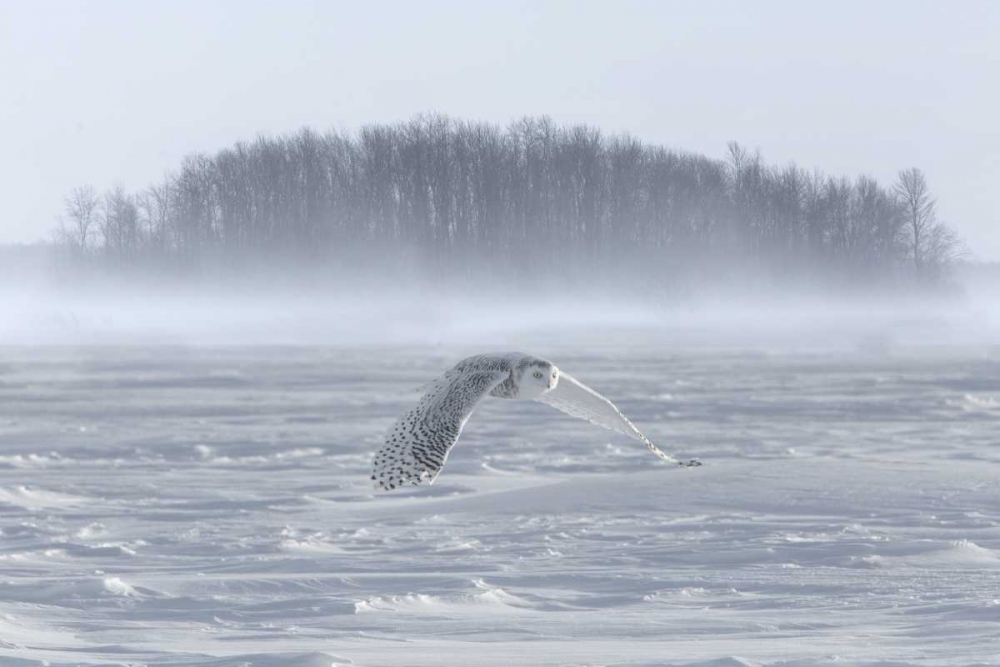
x=211, y=507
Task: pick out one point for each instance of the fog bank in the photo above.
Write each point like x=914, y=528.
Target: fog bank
x=36, y=308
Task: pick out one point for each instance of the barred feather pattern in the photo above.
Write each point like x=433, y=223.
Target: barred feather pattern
x=417, y=447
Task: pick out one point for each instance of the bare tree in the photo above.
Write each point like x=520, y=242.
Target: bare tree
x=120, y=224
x=932, y=244
x=941, y=250
x=81, y=206
x=919, y=210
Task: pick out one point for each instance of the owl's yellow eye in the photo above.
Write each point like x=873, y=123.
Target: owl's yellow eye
x=538, y=375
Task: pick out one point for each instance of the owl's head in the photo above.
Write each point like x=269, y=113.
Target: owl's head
x=537, y=377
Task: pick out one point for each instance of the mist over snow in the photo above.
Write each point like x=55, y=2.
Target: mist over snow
x=39, y=307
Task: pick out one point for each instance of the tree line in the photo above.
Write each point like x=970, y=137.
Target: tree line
x=454, y=198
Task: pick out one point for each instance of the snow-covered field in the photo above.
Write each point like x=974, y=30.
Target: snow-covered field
x=211, y=506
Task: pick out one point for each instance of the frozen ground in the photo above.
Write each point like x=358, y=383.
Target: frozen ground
x=211, y=506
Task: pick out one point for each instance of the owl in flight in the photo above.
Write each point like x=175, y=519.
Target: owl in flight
x=417, y=447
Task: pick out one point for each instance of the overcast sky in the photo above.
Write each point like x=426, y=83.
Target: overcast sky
x=103, y=92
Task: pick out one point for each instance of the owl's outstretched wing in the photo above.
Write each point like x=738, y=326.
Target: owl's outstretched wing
x=577, y=399
x=417, y=446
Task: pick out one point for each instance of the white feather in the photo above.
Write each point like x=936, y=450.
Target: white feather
x=577, y=399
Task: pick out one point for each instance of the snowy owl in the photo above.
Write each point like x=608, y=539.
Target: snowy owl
x=417, y=447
